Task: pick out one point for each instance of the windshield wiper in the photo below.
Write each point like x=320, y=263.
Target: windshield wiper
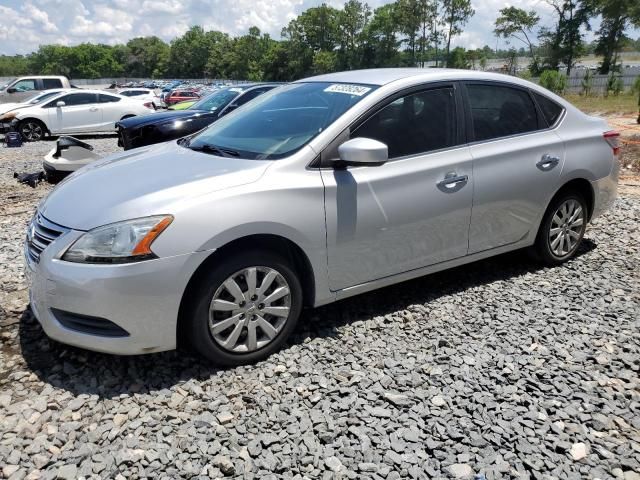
x=206, y=148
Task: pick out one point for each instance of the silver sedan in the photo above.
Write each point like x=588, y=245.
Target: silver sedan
x=319, y=190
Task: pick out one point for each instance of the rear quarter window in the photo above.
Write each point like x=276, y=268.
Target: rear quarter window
x=551, y=111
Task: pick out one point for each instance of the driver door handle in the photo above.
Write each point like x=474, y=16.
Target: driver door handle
x=547, y=162
x=453, y=182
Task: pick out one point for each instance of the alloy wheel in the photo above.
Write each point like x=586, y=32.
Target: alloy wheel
x=567, y=227
x=31, y=131
x=249, y=309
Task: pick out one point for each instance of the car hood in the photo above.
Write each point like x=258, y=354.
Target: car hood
x=142, y=182
x=161, y=117
x=7, y=107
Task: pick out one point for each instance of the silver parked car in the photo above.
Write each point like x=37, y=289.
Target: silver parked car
x=319, y=190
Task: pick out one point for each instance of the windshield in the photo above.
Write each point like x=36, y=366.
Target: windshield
x=218, y=100
x=40, y=97
x=5, y=85
x=280, y=122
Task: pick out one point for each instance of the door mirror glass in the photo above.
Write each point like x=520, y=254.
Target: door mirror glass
x=60, y=104
x=363, y=151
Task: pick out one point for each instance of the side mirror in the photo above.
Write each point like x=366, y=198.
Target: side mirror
x=60, y=104
x=363, y=151
x=11, y=90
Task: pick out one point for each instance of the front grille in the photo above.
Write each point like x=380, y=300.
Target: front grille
x=90, y=325
x=40, y=234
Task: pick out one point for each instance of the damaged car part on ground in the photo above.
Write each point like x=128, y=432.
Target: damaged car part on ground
x=317, y=191
x=169, y=125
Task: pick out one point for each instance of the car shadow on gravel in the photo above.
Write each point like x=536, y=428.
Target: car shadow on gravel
x=82, y=372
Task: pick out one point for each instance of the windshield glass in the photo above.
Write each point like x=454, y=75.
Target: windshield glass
x=218, y=100
x=6, y=84
x=280, y=122
x=40, y=97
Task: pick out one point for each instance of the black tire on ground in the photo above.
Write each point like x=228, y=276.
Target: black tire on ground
x=196, y=326
x=32, y=130
x=543, y=248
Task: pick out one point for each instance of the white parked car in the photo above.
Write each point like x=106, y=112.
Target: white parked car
x=78, y=111
x=34, y=100
x=145, y=94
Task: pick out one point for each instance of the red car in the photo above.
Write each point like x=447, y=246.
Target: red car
x=181, y=96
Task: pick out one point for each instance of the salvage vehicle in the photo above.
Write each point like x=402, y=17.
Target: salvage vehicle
x=19, y=89
x=78, y=111
x=144, y=94
x=316, y=191
x=182, y=105
x=33, y=100
x=178, y=96
x=169, y=125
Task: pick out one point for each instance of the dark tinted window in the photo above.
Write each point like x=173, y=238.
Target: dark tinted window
x=500, y=111
x=418, y=123
x=74, y=99
x=51, y=83
x=550, y=109
x=249, y=96
x=103, y=98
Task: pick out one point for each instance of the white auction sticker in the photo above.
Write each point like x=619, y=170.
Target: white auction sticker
x=358, y=90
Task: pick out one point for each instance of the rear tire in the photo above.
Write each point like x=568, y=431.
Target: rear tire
x=562, y=228
x=238, y=308
x=32, y=130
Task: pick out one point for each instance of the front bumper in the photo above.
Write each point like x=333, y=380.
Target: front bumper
x=142, y=298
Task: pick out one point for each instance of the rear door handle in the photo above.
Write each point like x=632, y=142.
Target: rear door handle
x=453, y=182
x=547, y=162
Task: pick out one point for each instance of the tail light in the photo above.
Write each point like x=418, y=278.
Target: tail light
x=613, y=139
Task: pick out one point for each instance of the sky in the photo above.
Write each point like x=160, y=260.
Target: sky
x=26, y=24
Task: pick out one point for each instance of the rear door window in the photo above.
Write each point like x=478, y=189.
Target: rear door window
x=49, y=83
x=500, y=111
x=417, y=123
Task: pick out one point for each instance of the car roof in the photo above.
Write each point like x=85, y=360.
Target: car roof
x=383, y=76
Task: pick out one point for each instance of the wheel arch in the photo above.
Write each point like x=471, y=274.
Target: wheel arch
x=268, y=242
x=583, y=187
x=35, y=119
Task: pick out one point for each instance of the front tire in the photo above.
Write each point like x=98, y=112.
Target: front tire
x=245, y=308
x=32, y=130
x=562, y=228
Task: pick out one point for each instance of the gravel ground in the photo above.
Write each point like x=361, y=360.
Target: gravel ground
x=499, y=369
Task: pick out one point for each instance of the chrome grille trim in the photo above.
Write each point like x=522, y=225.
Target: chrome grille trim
x=40, y=234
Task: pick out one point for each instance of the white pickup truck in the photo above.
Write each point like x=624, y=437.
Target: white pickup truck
x=22, y=88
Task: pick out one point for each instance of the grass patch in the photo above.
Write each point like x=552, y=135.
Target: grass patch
x=623, y=103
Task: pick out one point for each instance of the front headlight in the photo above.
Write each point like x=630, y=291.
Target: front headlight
x=122, y=242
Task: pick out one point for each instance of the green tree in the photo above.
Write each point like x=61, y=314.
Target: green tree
x=382, y=38
x=617, y=16
x=517, y=23
x=458, y=58
x=565, y=43
x=352, y=21
x=147, y=57
x=455, y=15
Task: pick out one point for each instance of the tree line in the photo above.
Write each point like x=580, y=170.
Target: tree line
x=324, y=39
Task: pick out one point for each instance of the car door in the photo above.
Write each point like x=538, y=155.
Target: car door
x=517, y=163
x=414, y=210
x=112, y=111
x=23, y=89
x=80, y=113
